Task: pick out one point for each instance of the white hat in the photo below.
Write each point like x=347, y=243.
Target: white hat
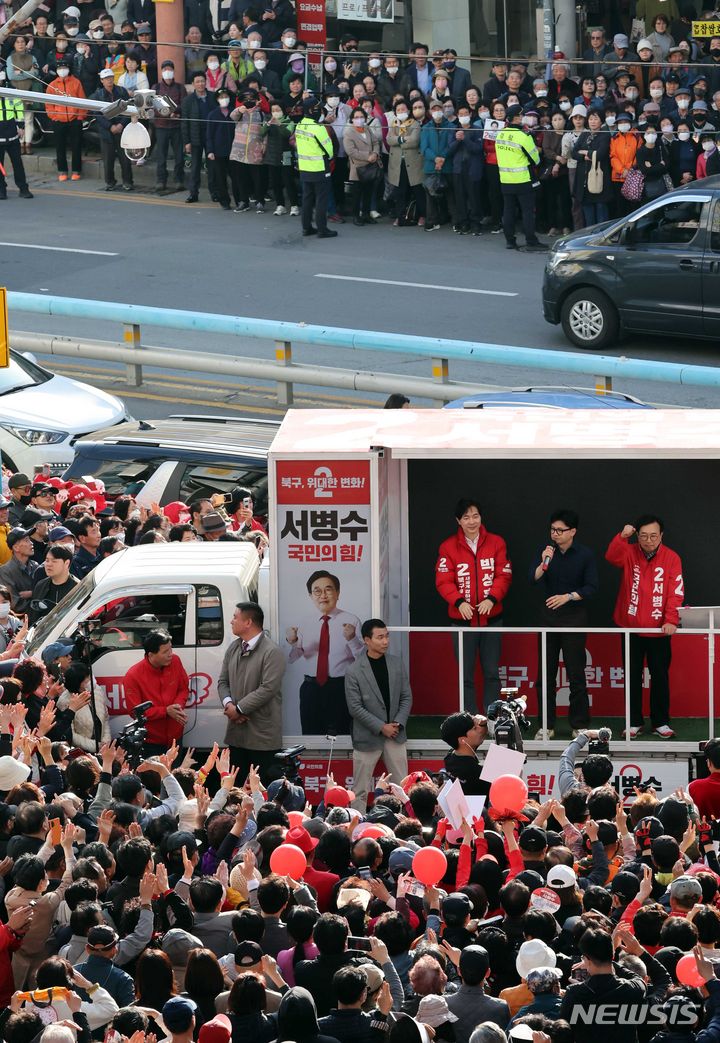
x=644, y=45
x=187, y=816
x=521, y=1031
x=579, y=110
x=12, y=773
x=71, y=12
x=106, y=72
x=434, y=1011
x=561, y=876
x=532, y=954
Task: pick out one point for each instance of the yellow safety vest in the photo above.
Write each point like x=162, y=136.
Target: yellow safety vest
x=11, y=109
x=511, y=146
x=314, y=147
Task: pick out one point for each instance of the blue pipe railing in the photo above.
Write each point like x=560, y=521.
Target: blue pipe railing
x=368, y=340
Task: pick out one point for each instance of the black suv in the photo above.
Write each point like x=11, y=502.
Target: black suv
x=656, y=271
x=185, y=457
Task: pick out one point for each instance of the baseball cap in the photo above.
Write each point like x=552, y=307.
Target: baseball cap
x=455, y=908
x=58, y=648
x=474, y=961
x=520, y=1032
x=178, y=1012
x=71, y=12
x=17, y=534
x=578, y=110
x=168, y=64
x=293, y=797
x=33, y=515
x=234, y=45
x=400, y=861
x=177, y=944
x=620, y=40
x=513, y=111
x=183, y=838
x=684, y=887
x=626, y=885
x=43, y=488
x=338, y=796
x=699, y=106
x=300, y=837
x=102, y=937
x=247, y=954
x=532, y=954
x=57, y=533
x=644, y=45
x=533, y=839
x=18, y=481
x=217, y=1030
x=144, y=28
x=561, y=876
x=4, y=502
x=104, y=74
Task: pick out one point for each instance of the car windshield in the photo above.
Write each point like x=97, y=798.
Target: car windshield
x=21, y=373
x=40, y=633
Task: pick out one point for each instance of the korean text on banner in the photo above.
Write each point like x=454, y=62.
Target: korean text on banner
x=366, y=10
x=312, y=27
x=322, y=553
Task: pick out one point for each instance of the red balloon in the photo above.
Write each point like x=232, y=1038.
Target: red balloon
x=687, y=972
x=296, y=818
x=508, y=793
x=373, y=832
x=429, y=865
x=288, y=860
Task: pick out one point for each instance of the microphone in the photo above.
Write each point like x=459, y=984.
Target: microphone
x=604, y=734
x=546, y=562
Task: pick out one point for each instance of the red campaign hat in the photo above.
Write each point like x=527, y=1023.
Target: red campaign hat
x=58, y=483
x=300, y=837
x=173, y=510
x=79, y=492
x=338, y=797
x=413, y=778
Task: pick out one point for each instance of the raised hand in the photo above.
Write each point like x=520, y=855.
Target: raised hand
x=223, y=761
x=161, y=875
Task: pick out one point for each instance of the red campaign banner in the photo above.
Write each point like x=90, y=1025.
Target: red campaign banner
x=434, y=674
x=322, y=482
x=312, y=27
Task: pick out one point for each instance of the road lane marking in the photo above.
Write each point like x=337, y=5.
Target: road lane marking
x=415, y=285
x=60, y=249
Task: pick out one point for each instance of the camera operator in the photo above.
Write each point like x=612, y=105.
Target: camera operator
x=596, y=769
x=568, y=573
x=465, y=733
x=161, y=678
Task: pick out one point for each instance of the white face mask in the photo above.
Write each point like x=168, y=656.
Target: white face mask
x=402, y=116
x=565, y=106
x=72, y=31
x=610, y=120
x=213, y=65
x=223, y=102
x=624, y=128
x=437, y=115
x=290, y=41
x=80, y=49
x=98, y=34
x=684, y=135
x=541, y=94
x=656, y=92
x=332, y=103
x=651, y=138
x=391, y=70
x=667, y=131
x=483, y=114
x=168, y=75
x=331, y=66
x=359, y=123
x=244, y=44
x=4, y=610
x=683, y=103
x=62, y=73
x=260, y=65
x=708, y=146
x=375, y=63
x=631, y=94
x=464, y=120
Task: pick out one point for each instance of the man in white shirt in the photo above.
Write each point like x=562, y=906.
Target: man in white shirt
x=330, y=642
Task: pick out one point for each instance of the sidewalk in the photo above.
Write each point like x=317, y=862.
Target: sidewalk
x=42, y=163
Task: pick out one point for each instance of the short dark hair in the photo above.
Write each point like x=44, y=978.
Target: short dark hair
x=420, y=47
x=154, y=641
x=206, y=893
x=678, y=931
x=254, y=613
x=597, y=769
x=474, y=964
x=464, y=504
x=366, y=630
x=647, y=924
x=515, y=898
x=59, y=552
x=247, y=995
x=539, y=923
x=28, y=871
x=86, y=522
x=81, y=892
x=178, y=531
x=85, y=916
x=198, y=74
x=603, y=802
x=248, y=926
x=597, y=898
x=322, y=574
x=649, y=519
x=273, y=894
x=125, y=788
x=330, y=934
x=455, y=726
x=349, y=983
x=597, y=946
x=30, y=816
x=711, y=752
x=564, y=514
x=396, y=400
x=74, y=676
x=133, y=857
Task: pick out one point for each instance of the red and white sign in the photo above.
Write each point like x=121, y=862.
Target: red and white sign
x=312, y=27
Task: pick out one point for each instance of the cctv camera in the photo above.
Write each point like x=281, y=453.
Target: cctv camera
x=144, y=101
x=135, y=142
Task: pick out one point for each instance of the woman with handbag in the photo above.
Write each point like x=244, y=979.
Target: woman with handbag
x=627, y=180
x=653, y=161
x=363, y=152
x=405, y=166
x=593, y=182
x=556, y=188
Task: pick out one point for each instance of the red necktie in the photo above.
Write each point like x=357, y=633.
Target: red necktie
x=323, y=663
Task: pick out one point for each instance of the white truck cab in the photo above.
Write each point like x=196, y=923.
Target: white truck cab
x=189, y=589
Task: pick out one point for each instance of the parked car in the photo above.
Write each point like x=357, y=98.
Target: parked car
x=656, y=271
x=43, y=415
x=183, y=457
x=549, y=398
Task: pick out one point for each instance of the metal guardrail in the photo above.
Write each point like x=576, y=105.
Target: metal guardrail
x=439, y=349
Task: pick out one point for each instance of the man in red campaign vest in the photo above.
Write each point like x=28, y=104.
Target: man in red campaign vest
x=473, y=575
x=651, y=592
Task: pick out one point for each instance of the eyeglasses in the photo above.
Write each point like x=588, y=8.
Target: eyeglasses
x=557, y=532
x=650, y=536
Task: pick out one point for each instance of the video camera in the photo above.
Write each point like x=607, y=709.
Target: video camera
x=287, y=763
x=507, y=720
x=602, y=743
x=132, y=737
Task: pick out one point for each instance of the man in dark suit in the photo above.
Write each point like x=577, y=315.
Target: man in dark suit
x=379, y=699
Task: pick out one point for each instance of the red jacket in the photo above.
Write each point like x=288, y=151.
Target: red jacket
x=9, y=942
x=651, y=591
x=706, y=794
x=461, y=575
x=164, y=687
x=324, y=884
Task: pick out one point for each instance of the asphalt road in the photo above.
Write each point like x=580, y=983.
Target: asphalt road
x=162, y=252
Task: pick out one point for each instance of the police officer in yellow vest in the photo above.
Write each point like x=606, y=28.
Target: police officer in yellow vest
x=11, y=115
x=516, y=155
x=314, y=152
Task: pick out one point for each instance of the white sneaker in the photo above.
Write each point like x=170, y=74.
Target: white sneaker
x=374, y=214
x=665, y=732
x=543, y=735
x=294, y=211
x=632, y=734
x=279, y=211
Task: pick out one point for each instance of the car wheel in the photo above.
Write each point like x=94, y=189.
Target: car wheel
x=589, y=319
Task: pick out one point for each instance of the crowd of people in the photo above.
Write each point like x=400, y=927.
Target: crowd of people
x=408, y=138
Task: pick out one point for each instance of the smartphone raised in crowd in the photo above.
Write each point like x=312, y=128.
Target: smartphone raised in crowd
x=365, y=872
x=359, y=943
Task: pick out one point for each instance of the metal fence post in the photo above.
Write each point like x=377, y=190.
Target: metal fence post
x=440, y=373
x=131, y=337
x=603, y=385
x=283, y=356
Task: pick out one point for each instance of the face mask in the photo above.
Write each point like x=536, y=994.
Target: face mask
x=402, y=116
x=684, y=135
x=290, y=41
x=464, y=120
x=484, y=114
x=437, y=115
x=244, y=44
x=359, y=123
x=700, y=92
x=631, y=95
x=565, y=106
x=651, y=138
x=297, y=66
x=260, y=65
x=375, y=63
x=530, y=122
x=683, y=103
x=448, y=113
x=448, y=65
x=72, y=32
x=168, y=75
x=656, y=92
x=98, y=34
x=418, y=113
x=610, y=120
x=624, y=128
x=541, y=94
x=330, y=66
x=4, y=610
x=715, y=52
x=332, y=103
x=63, y=73
x=667, y=131
x=277, y=115
x=223, y=102
x=80, y=49
x=708, y=146
x=213, y=65
x=392, y=70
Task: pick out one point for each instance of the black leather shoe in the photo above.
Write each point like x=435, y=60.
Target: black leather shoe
x=191, y=199
x=310, y=231
x=327, y=234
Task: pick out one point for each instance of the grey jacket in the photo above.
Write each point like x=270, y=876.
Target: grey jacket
x=253, y=682
x=366, y=704
x=471, y=1007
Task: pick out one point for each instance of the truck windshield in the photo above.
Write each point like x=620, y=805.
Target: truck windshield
x=66, y=607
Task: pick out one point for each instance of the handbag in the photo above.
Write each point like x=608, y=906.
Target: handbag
x=633, y=185
x=595, y=178
x=369, y=173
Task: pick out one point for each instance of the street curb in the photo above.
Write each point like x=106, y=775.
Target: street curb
x=43, y=162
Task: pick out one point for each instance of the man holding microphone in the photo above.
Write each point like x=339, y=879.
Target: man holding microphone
x=568, y=573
